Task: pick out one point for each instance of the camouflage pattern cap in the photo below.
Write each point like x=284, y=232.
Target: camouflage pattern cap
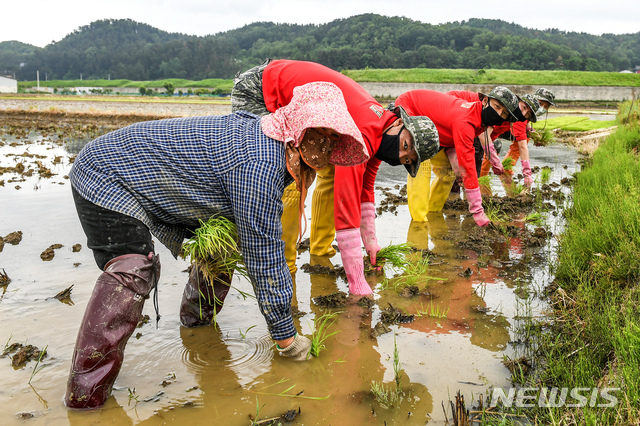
x=507, y=98
x=425, y=138
x=546, y=95
x=532, y=101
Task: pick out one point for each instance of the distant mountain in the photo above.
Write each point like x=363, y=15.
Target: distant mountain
x=125, y=49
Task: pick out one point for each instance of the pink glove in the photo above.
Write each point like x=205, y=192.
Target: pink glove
x=351, y=252
x=526, y=171
x=496, y=164
x=475, y=206
x=368, y=230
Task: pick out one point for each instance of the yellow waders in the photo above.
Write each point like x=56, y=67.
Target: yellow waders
x=290, y=202
x=418, y=192
x=323, y=230
x=441, y=186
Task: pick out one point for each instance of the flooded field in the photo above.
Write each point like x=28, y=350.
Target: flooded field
x=449, y=333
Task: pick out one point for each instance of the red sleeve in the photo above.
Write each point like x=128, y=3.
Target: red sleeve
x=498, y=130
x=465, y=94
x=519, y=130
x=458, y=122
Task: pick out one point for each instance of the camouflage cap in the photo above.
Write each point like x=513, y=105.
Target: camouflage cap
x=425, y=138
x=507, y=98
x=546, y=95
x=532, y=101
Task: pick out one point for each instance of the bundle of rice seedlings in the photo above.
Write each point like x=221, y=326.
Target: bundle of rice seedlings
x=395, y=254
x=214, y=249
x=542, y=137
x=485, y=182
x=507, y=163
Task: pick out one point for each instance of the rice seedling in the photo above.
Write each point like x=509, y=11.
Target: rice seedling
x=507, y=164
x=244, y=335
x=133, y=396
x=485, y=182
x=214, y=248
x=35, y=371
x=545, y=175
x=385, y=396
x=495, y=214
x=321, y=332
x=432, y=311
x=395, y=254
x=542, y=137
x=535, y=219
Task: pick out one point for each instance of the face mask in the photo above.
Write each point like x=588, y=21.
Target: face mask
x=541, y=111
x=490, y=117
x=389, y=150
x=519, y=115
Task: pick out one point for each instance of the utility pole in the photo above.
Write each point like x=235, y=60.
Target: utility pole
x=38, y=79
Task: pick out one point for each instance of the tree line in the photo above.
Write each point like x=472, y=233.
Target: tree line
x=125, y=49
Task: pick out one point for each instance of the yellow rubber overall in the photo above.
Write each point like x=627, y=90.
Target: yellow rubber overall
x=290, y=202
x=418, y=192
x=441, y=186
x=323, y=230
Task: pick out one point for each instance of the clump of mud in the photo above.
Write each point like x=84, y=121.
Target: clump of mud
x=23, y=354
x=336, y=271
x=13, y=238
x=538, y=237
x=392, y=315
x=76, y=248
x=480, y=239
x=391, y=201
x=366, y=302
x=332, y=301
x=410, y=291
x=49, y=253
x=519, y=367
x=65, y=296
x=379, y=330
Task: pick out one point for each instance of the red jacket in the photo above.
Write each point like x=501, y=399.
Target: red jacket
x=352, y=185
x=519, y=129
x=458, y=122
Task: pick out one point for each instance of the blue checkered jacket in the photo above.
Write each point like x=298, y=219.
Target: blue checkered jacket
x=170, y=173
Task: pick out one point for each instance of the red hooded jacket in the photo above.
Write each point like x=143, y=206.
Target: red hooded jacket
x=353, y=185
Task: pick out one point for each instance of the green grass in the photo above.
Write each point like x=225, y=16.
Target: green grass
x=545, y=175
x=495, y=77
x=574, y=124
x=592, y=337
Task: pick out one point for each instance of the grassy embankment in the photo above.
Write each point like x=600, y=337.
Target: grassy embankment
x=415, y=75
x=492, y=76
x=593, y=339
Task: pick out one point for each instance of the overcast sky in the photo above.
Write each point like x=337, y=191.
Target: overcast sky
x=41, y=22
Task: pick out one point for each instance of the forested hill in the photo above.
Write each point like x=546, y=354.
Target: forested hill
x=125, y=49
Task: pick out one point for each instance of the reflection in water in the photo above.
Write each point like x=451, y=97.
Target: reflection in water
x=222, y=374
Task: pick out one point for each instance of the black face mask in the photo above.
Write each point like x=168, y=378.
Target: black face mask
x=490, y=117
x=389, y=150
x=519, y=115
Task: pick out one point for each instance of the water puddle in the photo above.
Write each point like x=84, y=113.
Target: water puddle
x=466, y=315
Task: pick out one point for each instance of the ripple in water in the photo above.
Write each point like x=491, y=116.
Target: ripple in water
x=250, y=357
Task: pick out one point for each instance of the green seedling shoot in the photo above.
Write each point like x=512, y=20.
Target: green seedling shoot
x=321, y=332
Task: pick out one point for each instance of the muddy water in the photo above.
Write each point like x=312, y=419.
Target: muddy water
x=464, y=324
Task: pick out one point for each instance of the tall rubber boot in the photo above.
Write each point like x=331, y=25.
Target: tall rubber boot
x=290, y=227
x=418, y=192
x=201, y=299
x=323, y=230
x=110, y=318
x=441, y=186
